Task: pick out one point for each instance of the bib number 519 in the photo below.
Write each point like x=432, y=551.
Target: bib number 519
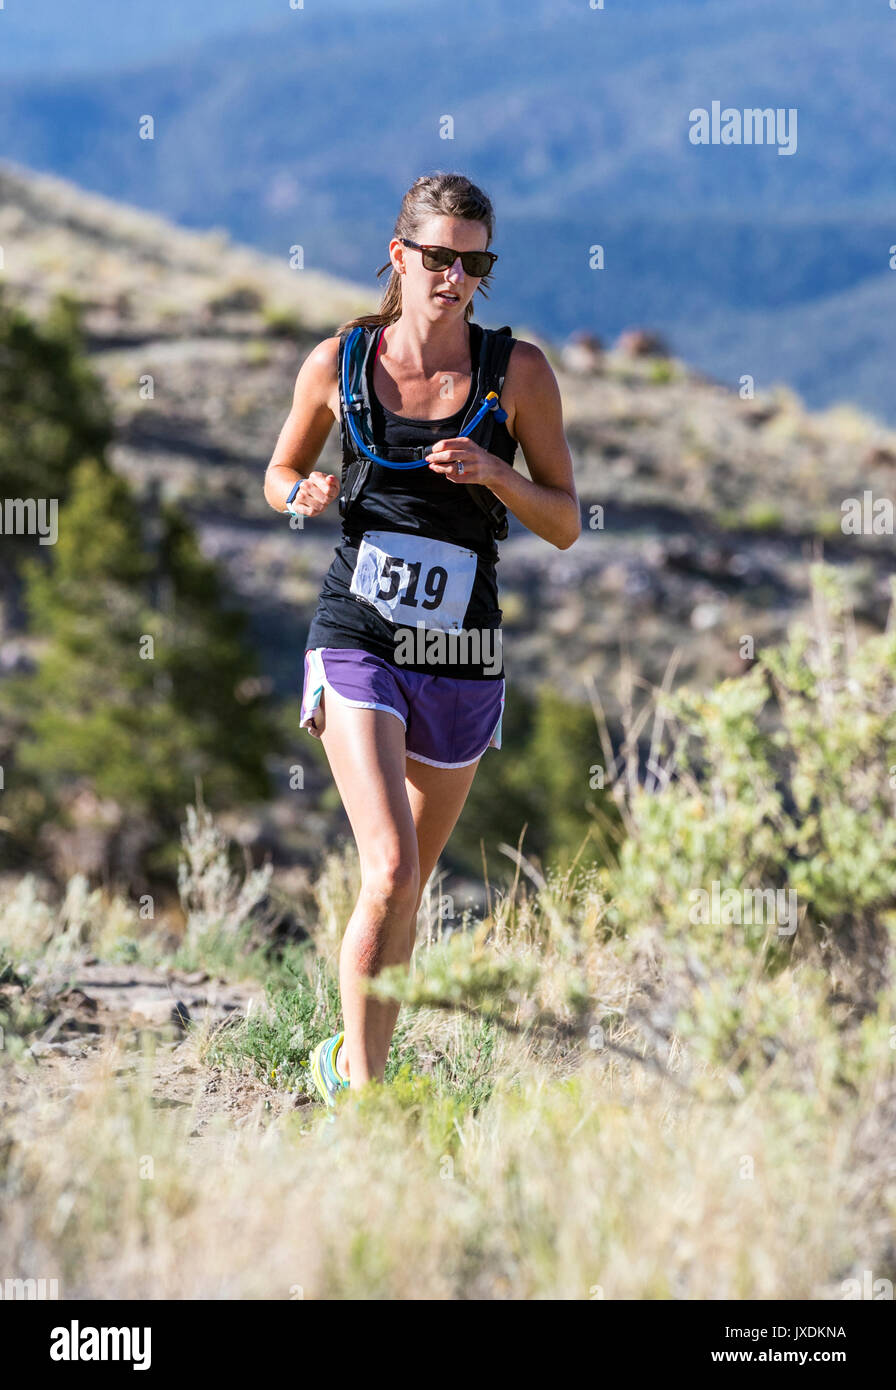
x=429, y=581
x=433, y=585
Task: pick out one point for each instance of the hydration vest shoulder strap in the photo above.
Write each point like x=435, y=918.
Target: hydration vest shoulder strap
x=355, y=467
x=497, y=345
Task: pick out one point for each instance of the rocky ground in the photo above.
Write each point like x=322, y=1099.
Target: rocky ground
x=122, y=1017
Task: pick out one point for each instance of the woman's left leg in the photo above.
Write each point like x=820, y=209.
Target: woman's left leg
x=437, y=796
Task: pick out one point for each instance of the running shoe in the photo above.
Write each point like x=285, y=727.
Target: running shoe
x=326, y=1078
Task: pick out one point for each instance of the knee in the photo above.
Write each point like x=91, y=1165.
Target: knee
x=395, y=880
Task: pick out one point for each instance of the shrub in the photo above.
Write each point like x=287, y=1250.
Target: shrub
x=662, y=371
x=53, y=410
x=138, y=688
x=241, y=297
x=282, y=322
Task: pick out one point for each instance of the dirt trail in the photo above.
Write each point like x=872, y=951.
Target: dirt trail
x=107, y=1008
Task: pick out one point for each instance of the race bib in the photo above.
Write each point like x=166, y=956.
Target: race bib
x=414, y=579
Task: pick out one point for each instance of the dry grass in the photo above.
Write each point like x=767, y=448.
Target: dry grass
x=577, y=1172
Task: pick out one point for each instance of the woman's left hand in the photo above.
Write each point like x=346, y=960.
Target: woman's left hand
x=462, y=461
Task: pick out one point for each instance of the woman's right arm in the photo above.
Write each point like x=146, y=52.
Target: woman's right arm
x=315, y=408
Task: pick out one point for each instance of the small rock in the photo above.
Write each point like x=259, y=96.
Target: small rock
x=14, y=655
x=160, y=1013
x=582, y=353
x=639, y=342
x=758, y=412
x=76, y=999
x=195, y=977
x=75, y=1048
x=705, y=615
x=879, y=456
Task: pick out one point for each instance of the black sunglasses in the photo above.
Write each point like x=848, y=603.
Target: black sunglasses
x=475, y=263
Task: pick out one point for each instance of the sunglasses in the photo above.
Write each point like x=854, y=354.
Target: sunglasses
x=475, y=263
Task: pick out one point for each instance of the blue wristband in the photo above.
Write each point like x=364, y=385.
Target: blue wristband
x=291, y=496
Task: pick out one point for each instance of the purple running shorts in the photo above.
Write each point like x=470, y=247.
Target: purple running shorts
x=448, y=722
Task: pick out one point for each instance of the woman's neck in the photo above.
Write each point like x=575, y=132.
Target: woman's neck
x=427, y=347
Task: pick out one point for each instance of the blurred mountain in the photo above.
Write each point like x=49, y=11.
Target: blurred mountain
x=104, y=34
x=306, y=129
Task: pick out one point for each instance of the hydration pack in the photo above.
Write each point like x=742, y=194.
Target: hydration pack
x=495, y=349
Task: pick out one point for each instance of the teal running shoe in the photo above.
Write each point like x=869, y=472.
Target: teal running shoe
x=326, y=1078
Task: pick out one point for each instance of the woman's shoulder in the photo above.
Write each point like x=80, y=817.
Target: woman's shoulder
x=528, y=382
x=318, y=370
x=317, y=377
x=526, y=361
x=528, y=368
x=323, y=357
x=526, y=353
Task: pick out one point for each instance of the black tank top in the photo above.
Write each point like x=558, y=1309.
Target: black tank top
x=419, y=502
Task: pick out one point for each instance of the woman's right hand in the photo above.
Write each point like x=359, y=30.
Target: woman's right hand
x=315, y=409
x=316, y=493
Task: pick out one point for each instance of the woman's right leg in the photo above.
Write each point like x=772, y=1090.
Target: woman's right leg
x=366, y=752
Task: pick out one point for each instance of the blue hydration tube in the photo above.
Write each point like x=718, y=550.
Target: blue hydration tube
x=489, y=402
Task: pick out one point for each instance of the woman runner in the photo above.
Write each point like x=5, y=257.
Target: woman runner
x=404, y=725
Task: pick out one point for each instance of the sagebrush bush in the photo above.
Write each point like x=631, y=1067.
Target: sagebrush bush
x=220, y=906
x=780, y=779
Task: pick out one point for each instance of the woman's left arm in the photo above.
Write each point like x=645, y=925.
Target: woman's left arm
x=548, y=504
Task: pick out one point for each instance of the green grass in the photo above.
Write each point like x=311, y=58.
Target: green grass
x=281, y=322
x=662, y=371
x=302, y=1008
x=274, y=1042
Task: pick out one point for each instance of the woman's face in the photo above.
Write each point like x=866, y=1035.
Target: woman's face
x=436, y=293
